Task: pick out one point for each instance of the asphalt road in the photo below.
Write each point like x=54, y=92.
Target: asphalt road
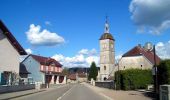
x=68, y=92
x=51, y=94
x=81, y=92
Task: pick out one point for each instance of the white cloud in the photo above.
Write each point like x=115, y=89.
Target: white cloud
x=48, y=23
x=151, y=15
x=90, y=59
x=44, y=37
x=163, y=50
x=88, y=52
x=29, y=51
x=83, y=58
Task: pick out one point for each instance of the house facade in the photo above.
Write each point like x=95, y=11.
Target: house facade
x=138, y=57
x=10, y=51
x=44, y=70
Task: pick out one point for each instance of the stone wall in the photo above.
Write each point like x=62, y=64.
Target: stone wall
x=107, y=84
x=15, y=88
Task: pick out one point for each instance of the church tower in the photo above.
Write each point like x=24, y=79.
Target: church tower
x=107, y=53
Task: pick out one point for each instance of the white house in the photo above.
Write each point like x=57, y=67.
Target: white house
x=10, y=51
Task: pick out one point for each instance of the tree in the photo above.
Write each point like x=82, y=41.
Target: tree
x=164, y=72
x=65, y=71
x=93, y=71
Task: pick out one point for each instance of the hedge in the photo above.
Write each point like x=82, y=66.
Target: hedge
x=132, y=79
x=164, y=72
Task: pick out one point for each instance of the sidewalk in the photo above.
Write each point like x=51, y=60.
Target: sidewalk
x=119, y=95
x=12, y=95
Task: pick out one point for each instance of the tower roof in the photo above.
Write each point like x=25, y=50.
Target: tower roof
x=107, y=34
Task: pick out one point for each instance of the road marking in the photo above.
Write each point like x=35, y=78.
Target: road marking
x=109, y=98
x=65, y=93
x=106, y=96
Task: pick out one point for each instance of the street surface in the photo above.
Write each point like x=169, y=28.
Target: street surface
x=67, y=92
x=81, y=92
x=50, y=94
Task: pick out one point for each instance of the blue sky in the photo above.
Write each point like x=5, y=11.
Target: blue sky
x=80, y=23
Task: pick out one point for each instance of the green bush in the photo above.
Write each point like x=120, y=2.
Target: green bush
x=93, y=71
x=131, y=79
x=164, y=72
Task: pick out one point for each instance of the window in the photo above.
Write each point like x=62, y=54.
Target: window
x=141, y=66
x=104, y=46
x=124, y=67
x=111, y=46
x=104, y=67
x=105, y=79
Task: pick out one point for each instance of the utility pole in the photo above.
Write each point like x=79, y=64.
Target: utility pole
x=118, y=73
x=155, y=70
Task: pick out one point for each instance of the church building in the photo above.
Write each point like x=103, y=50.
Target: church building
x=107, y=54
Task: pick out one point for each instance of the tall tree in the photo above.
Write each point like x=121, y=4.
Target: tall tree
x=93, y=71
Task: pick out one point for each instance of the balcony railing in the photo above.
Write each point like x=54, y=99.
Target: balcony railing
x=50, y=68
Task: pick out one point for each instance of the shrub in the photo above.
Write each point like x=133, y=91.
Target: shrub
x=131, y=79
x=164, y=72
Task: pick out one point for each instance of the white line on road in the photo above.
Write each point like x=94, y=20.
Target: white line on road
x=66, y=93
x=106, y=96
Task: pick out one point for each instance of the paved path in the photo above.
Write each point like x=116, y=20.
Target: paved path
x=119, y=95
x=81, y=92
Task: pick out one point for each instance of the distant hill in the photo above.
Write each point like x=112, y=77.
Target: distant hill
x=80, y=69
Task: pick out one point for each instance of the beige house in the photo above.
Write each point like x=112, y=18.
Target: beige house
x=138, y=57
x=10, y=51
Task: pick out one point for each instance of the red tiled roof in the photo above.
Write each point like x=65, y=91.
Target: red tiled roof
x=137, y=51
x=72, y=77
x=46, y=60
x=12, y=39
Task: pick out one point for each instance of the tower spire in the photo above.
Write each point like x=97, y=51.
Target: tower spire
x=106, y=30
